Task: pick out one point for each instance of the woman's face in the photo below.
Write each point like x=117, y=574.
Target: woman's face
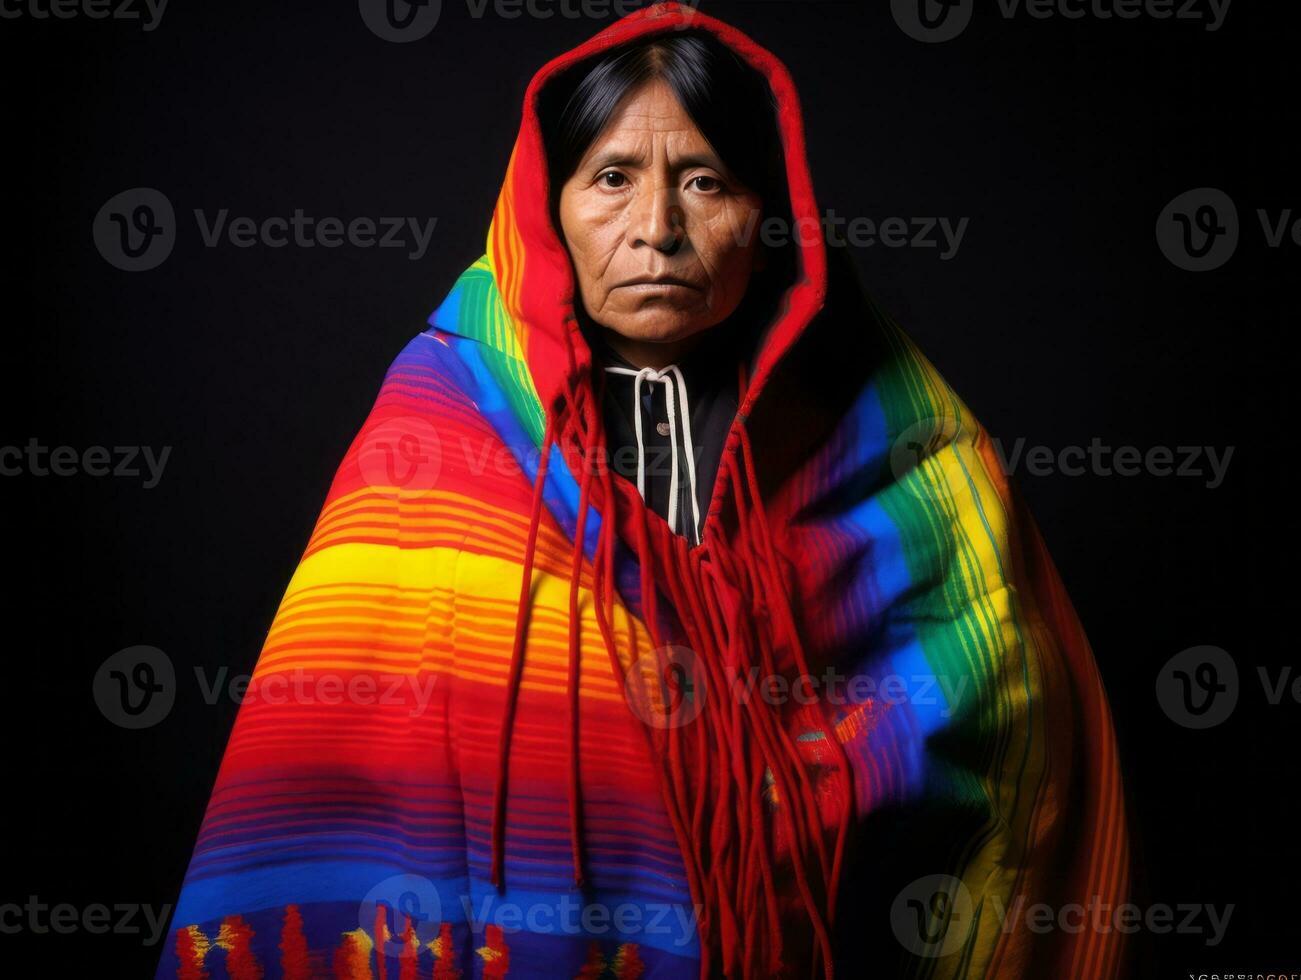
x=652, y=200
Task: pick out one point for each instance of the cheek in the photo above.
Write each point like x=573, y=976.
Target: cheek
x=592, y=237
x=726, y=245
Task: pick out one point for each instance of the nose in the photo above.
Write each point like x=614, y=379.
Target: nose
x=657, y=220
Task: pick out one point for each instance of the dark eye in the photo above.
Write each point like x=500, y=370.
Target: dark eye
x=612, y=173
x=711, y=183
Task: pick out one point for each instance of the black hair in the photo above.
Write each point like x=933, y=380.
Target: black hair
x=729, y=101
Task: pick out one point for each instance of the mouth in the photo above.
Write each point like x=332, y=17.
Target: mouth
x=651, y=283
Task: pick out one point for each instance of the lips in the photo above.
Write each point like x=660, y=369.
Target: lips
x=659, y=281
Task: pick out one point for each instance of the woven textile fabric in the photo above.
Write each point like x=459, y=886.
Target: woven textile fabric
x=506, y=724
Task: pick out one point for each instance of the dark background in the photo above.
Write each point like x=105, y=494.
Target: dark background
x=1059, y=320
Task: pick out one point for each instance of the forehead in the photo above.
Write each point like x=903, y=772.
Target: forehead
x=650, y=110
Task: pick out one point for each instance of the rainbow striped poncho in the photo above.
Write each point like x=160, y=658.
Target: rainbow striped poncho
x=506, y=724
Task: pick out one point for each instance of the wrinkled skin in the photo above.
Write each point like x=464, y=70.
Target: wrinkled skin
x=651, y=198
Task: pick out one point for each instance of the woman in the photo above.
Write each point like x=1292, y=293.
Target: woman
x=801, y=693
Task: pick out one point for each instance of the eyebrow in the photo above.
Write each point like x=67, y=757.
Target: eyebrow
x=622, y=158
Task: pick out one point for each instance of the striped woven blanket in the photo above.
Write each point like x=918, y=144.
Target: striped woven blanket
x=507, y=724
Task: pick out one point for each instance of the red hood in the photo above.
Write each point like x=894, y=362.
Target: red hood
x=532, y=266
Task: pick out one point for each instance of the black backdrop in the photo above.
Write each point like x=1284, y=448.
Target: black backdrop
x=1059, y=319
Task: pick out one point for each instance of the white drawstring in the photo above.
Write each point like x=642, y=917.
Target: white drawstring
x=666, y=376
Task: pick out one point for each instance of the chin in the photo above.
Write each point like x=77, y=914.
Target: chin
x=658, y=327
